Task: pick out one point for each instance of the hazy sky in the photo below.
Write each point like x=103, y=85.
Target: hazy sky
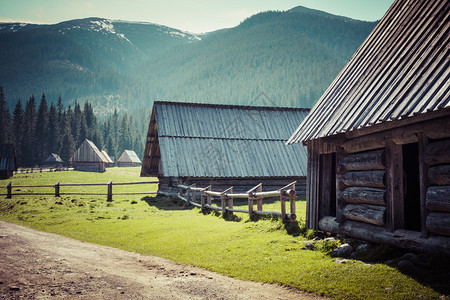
x=195, y=16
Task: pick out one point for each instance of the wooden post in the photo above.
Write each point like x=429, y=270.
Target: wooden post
x=9, y=190
x=251, y=197
x=288, y=191
x=57, y=189
x=260, y=200
x=109, y=191
x=223, y=200
x=424, y=182
x=394, y=186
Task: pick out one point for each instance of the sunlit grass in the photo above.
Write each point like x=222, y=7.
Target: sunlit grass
x=252, y=250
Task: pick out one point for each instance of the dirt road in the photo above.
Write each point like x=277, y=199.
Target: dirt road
x=40, y=265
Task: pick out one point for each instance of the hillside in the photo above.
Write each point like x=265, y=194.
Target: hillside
x=288, y=57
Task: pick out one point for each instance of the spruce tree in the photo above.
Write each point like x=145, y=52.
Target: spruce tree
x=42, y=131
x=17, y=131
x=5, y=120
x=53, y=138
x=28, y=137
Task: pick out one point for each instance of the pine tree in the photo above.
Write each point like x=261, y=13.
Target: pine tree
x=53, y=133
x=5, y=120
x=17, y=131
x=67, y=144
x=42, y=130
x=28, y=137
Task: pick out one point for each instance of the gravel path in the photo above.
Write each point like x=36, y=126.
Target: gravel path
x=41, y=265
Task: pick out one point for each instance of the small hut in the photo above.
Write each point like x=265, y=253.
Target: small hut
x=110, y=162
x=379, y=138
x=8, y=162
x=128, y=158
x=223, y=146
x=88, y=158
x=53, y=161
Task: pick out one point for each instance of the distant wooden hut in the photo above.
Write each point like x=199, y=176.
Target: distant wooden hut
x=8, y=162
x=379, y=138
x=223, y=146
x=53, y=161
x=88, y=158
x=110, y=162
x=128, y=158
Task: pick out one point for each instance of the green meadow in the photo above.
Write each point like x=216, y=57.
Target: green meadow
x=261, y=250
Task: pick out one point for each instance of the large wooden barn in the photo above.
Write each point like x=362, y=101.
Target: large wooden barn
x=223, y=146
x=378, y=139
x=8, y=162
x=88, y=158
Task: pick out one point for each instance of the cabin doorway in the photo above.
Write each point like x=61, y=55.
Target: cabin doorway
x=328, y=185
x=411, y=186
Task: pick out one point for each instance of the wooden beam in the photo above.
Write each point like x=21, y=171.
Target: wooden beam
x=369, y=160
x=406, y=239
x=364, y=195
x=423, y=183
x=372, y=214
x=439, y=175
x=394, y=186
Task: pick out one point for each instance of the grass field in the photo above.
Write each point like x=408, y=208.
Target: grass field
x=259, y=250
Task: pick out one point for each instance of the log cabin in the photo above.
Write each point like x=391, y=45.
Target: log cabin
x=8, y=161
x=223, y=146
x=378, y=139
x=88, y=158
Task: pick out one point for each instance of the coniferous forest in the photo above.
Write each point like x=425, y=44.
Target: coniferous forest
x=38, y=128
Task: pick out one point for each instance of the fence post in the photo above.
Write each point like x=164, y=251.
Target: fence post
x=224, y=199
x=251, y=197
x=57, y=189
x=9, y=190
x=109, y=191
x=288, y=191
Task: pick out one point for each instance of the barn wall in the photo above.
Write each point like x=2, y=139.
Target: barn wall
x=361, y=185
x=437, y=159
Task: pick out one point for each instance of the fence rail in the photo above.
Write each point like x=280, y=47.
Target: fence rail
x=253, y=195
x=57, y=186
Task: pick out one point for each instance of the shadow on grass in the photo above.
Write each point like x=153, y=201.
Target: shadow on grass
x=165, y=203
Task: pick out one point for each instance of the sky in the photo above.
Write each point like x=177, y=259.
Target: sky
x=195, y=16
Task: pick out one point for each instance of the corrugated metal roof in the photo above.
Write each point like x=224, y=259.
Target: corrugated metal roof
x=129, y=156
x=201, y=140
x=401, y=70
x=7, y=157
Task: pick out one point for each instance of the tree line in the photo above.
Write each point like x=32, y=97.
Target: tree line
x=37, y=130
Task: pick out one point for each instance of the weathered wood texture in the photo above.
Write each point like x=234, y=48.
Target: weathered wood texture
x=363, y=178
x=437, y=153
x=313, y=185
x=439, y=175
x=406, y=239
x=371, y=214
x=394, y=186
x=438, y=198
x=364, y=195
x=438, y=222
x=369, y=160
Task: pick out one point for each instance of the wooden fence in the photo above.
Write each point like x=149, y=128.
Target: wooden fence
x=57, y=187
x=41, y=169
x=253, y=195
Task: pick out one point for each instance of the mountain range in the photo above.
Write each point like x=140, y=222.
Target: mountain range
x=285, y=58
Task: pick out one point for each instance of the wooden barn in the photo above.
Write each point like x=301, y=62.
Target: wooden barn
x=129, y=158
x=8, y=162
x=53, y=161
x=378, y=139
x=88, y=158
x=223, y=146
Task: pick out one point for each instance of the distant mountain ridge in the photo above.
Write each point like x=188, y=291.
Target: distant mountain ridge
x=290, y=56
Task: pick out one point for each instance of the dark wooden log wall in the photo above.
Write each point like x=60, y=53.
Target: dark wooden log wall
x=362, y=187
x=437, y=157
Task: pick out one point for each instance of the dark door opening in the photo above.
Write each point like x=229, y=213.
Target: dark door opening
x=327, y=183
x=411, y=185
